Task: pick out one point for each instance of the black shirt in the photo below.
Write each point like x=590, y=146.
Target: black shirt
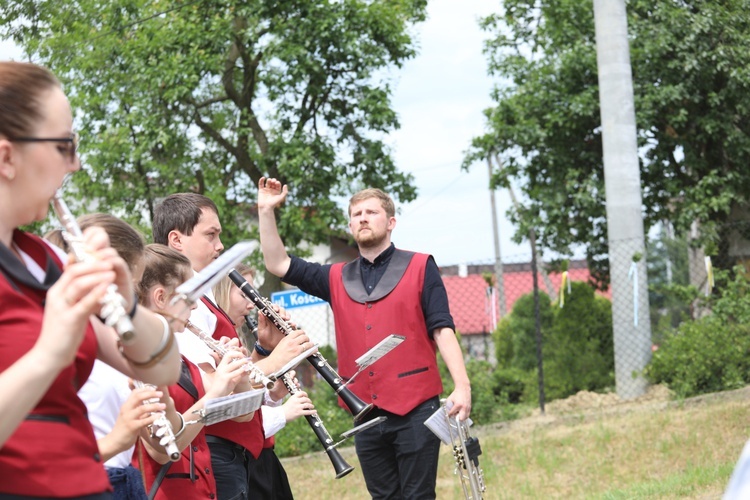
x=313, y=278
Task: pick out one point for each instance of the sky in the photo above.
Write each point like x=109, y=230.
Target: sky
x=439, y=97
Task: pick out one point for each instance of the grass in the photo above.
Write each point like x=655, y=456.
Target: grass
x=658, y=451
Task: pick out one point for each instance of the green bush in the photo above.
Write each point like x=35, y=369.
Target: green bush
x=579, y=351
x=711, y=353
x=706, y=355
x=508, y=385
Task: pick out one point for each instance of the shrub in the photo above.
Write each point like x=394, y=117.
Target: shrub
x=703, y=356
x=711, y=353
x=579, y=351
x=508, y=385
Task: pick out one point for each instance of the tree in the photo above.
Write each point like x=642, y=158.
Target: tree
x=690, y=74
x=209, y=96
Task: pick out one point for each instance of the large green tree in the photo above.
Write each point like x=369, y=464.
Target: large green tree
x=210, y=95
x=690, y=65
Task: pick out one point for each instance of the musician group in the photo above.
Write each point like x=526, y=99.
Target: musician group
x=107, y=367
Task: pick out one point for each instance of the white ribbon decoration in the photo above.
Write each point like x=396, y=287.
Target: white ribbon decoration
x=633, y=274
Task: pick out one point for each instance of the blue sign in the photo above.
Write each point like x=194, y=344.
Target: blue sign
x=295, y=298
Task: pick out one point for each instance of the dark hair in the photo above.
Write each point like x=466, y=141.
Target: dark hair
x=179, y=212
x=21, y=87
x=162, y=266
x=123, y=237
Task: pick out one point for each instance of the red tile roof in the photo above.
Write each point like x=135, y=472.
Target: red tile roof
x=470, y=301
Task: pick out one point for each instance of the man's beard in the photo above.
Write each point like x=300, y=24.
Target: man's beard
x=369, y=240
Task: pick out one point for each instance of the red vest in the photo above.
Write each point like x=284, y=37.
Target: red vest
x=248, y=434
x=195, y=459
x=53, y=453
x=406, y=376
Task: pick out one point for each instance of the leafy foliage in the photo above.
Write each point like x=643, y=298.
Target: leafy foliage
x=711, y=353
x=209, y=96
x=577, y=351
x=691, y=83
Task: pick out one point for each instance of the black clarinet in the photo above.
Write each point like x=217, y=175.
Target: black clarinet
x=339, y=464
x=356, y=406
x=316, y=424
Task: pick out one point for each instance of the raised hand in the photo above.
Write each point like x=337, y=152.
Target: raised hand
x=271, y=193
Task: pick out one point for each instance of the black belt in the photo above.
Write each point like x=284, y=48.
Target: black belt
x=224, y=442
x=48, y=418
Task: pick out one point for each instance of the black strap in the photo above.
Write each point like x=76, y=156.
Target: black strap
x=159, y=478
x=186, y=381
x=62, y=419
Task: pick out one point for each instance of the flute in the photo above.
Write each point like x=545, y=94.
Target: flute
x=161, y=428
x=257, y=377
x=113, y=303
x=357, y=407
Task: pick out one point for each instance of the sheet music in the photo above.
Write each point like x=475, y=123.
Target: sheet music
x=439, y=423
x=381, y=349
x=360, y=428
x=219, y=409
x=195, y=287
x=294, y=362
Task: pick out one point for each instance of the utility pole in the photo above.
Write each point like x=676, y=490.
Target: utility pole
x=496, y=236
x=622, y=180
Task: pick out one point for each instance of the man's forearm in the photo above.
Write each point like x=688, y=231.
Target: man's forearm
x=274, y=253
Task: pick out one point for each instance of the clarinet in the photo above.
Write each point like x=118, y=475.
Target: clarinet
x=257, y=377
x=339, y=464
x=357, y=407
x=113, y=304
x=162, y=429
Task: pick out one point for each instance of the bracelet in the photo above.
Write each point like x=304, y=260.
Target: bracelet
x=261, y=350
x=182, y=426
x=167, y=340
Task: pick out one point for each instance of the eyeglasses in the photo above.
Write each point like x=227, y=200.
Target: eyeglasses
x=70, y=150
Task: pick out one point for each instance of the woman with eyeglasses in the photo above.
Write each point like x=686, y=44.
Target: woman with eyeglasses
x=49, y=332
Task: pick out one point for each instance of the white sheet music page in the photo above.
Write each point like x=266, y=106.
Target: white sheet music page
x=381, y=349
x=219, y=409
x=439, y=423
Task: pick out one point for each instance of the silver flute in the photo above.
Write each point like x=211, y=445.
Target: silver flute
x=161, y=427
x=257, y=377
x=113, y=303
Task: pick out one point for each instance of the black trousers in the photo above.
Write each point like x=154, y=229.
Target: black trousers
x=399, y=457
x=268, y=478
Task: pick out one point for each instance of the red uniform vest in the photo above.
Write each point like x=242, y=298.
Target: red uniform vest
x=406, y=376
x=247, y=434
x=53, y=453
x=195, y=459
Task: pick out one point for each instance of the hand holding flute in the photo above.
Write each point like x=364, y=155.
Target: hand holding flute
x=115, y=307
x=161, y=429
x=255, y=374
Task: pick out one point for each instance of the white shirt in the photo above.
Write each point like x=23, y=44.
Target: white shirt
x=103, y=394
x=192, y=347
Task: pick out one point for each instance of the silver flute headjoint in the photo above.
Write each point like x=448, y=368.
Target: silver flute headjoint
x=113, y=311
